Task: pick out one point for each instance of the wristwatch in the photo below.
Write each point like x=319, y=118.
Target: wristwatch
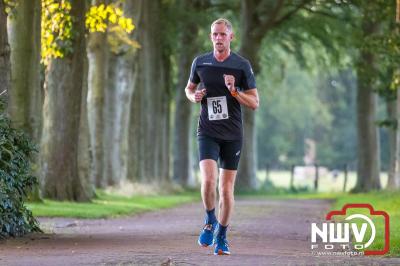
x=235, y=92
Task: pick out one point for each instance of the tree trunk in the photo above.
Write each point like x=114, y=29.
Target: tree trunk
x=394, y=133
x=182, y=137
x=250, y=47
x=84, y=138
x=62, y=110
x=150, y=115
x=97, y=50
x=118, y=103
x=368, y=168
x=165, y=104
x=258, y=17
x=25, y=99
x=110, y=106
x=5, y=67
x=136, y=134
x=393, y=111
x=123, y=85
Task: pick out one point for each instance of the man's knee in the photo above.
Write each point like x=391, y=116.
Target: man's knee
x=209, y=181
x=225, y=191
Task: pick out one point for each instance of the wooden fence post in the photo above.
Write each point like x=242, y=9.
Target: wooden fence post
x=292, y=178
x=345, y=177
x=316, y=177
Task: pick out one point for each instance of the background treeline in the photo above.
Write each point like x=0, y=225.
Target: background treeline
x=99, y=87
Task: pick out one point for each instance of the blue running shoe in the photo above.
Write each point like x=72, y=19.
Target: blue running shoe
x=207, y=234
x=221, y=246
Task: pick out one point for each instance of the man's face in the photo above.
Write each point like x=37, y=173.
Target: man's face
x=221, y=37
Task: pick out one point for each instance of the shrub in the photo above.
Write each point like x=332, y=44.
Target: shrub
x=15, y=180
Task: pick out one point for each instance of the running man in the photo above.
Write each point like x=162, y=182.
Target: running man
x=226, y=82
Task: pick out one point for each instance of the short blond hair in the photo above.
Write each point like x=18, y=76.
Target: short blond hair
x=224, y=21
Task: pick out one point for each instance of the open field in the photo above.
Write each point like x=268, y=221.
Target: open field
x=327, y=183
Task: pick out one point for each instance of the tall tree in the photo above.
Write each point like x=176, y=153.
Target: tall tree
x=25, y=99
x=149, y=129
x=393, y=113
x=122, y=82
x=5, y=68
x=258, y=17
x=97, y=51
x=62, y=110
x=368, y=167
x=110, y=107
x=393, y=110
x=84, y=138
x=182, y=137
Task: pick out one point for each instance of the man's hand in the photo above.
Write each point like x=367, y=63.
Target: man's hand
x=199, y=94
x=193, y=94
x=229, y=82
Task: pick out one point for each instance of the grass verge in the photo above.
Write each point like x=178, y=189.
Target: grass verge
x=382, y=201
x=106, y=205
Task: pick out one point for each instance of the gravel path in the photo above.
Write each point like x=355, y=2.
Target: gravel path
x=263, y=232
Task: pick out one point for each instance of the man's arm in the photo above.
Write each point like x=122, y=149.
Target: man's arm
x=248, y=98
x=192, y=94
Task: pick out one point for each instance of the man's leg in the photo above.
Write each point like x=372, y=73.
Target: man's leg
x=209, y=173
x=226, y=202
x=226, y=195
x=229, y=157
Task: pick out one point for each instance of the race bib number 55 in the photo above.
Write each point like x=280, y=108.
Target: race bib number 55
x=217, y=108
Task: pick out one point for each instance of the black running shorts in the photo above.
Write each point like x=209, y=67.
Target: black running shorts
x=227, y=151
